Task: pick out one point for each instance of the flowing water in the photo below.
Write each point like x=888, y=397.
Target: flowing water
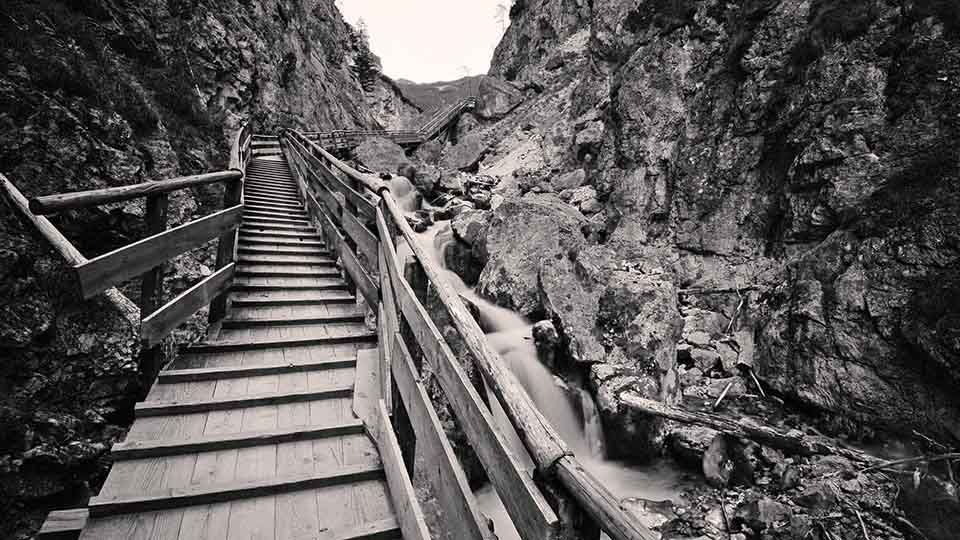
x=570, y=409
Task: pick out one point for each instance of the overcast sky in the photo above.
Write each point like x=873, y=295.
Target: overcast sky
x=429, y=40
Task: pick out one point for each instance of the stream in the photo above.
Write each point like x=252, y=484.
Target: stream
x=570, y=408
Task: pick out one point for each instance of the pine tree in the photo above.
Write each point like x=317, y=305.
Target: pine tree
x=366, y=65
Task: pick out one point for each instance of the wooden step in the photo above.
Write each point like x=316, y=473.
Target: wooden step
x=272, y=201
x=262, y=184
x=244, y=287
x=306, y=249
x=274, y=210
x=247, y=211
x=295, y=298
x=172, y=376
x=271, y=198
x=256, y=226
x=197, y=495
x=128, y=450
x=147, y=409
x=359, y=336
x=248, y=271
x=271, y=219
x=375, y=530
x=280, y=234
x=282, y=321
x=272, y=193
x=311, y=243
x=286, y=260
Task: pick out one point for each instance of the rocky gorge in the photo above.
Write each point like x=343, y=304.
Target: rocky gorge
x=746, y=209
x=752, y=203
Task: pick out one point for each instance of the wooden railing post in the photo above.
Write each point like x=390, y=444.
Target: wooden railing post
x=151, y=285
x=232, y=196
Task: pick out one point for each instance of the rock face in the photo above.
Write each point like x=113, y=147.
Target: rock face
x=789, y=167
x=496, y=98
x=381, y=155
x=106, y=93
x=465, y=155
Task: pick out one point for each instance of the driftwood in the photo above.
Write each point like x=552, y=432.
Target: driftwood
x=794, y=443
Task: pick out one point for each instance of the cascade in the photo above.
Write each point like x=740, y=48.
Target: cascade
x=569, y=407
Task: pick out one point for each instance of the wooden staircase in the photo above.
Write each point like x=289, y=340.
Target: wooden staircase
x=252, y=434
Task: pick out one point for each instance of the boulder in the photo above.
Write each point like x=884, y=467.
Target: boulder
x=496, y=98
x=651, y=514
x=380, y=155
x=426, y=179
x=728, y=461
x=570, y=180
x=545, y=334
x=688, y=443
x=521, y=236
x=429, y=152
x=465, y=155
x=470, y=226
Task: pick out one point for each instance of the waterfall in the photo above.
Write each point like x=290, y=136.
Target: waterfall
x=569, y=407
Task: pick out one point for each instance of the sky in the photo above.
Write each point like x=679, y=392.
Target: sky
x=429, y=40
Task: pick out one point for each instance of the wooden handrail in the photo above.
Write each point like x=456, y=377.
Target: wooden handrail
x=368, y=181
x=51, y=204
x=67, y=250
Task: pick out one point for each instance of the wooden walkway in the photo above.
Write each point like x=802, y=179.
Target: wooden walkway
x=252, y=434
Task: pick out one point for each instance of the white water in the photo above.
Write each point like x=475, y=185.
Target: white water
x=571, y=410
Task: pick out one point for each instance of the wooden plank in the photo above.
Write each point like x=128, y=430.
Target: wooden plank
x=210, y=443
x=64, y=524
x=366, y=242
x=405, y=504
x=50, y=204
x=366, y=391
x=158, y=324
x=224, y=346
x=101, y=273
x=163, y=408
x=383, y=371
x=197, y=495
x=62, y=246
x=385, y=529
x=450, y=485
x=368, y=288
x=170, y=376
x=527, y=507
x=151, y=285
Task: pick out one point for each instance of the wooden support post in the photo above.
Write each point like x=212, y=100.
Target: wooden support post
x=226, y=250
x=575, y=523
x=151, y=285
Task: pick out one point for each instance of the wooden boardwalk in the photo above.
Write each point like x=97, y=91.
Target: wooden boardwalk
x=252, y=433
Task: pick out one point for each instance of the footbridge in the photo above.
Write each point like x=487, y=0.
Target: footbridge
x=304, y=413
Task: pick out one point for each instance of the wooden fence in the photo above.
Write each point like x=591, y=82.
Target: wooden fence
x=146, y=257
x=363, y=224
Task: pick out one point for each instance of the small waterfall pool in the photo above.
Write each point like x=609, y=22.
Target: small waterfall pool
x=569, y=408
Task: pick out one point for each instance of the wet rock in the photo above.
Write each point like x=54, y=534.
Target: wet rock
x=763, y=514
x=426, y=179
x=453, y=183
x=651, y=514
x=465, y=155
x=545, y=334
x=728, y=461
x=729, y=356
x=470, y=226
x=521, y=237
x=481, y=199
x=933, y=506
x=688, y=443
x=817, y=496
x=381, y=155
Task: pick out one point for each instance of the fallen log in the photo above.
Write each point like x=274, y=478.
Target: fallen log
x=794, y=442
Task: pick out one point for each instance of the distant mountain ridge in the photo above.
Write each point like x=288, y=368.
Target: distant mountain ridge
x=431, y=96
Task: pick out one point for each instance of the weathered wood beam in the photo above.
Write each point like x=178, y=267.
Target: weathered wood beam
x=100, y=273
x=51, y=204
x=793, y=443
x=160, y=323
